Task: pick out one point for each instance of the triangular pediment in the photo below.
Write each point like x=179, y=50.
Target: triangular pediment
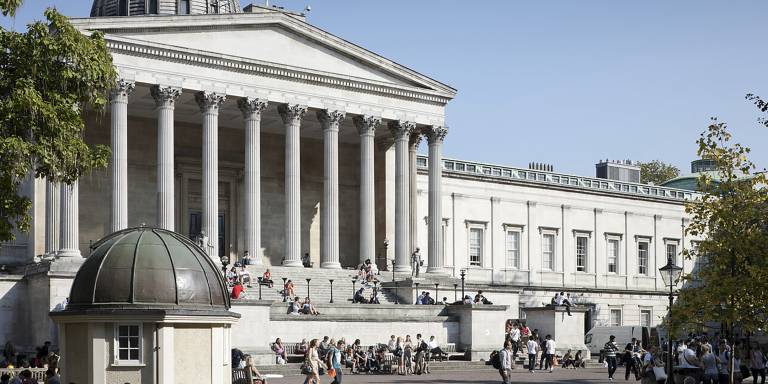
x=275, y=39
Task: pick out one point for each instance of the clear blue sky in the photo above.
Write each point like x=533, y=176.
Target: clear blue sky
x=564, y=82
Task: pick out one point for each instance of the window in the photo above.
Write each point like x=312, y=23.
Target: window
x=642, y=257
x=645, y=317
x=513, y=248
x=153, y=7
x=475, y=246
x=127, y=344
x=183, y=7
x=615, y=317
x=548, y=251
x=582, y=250
x=672, y=252
x=122, y=8
x=613, y=256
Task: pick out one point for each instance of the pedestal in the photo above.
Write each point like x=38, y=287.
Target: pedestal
x=567, y=331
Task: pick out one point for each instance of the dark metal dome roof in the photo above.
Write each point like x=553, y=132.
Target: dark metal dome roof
x=162, y=7
x=148, y=268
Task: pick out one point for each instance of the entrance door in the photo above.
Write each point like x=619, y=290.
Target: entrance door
x=196, y=225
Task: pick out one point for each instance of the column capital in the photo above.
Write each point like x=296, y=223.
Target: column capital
x=366, y=124
x=123, y=88
x=209, y=101
x=414, y=139
x=291, y=113
x=330, y=119
x=251, y=107
x=401, y=129
x=436, y=134
x=165, y=96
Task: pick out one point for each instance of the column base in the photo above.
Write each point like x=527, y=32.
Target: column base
x=293, y=263
x=403, y=269
x=438, y=271
x=331, y=265
x=68, y=252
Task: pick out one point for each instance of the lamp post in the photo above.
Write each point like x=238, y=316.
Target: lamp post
x=375, y=290
x=463, y=274
x=393, y=269
x=308, y=279
x=455, y=286
x=437, y=296
x=259, y=290
x=331, y=281
x=284, y=280
x=670, y=273
x=417, y=293
x=396, y=292
x=353, y=289
x=384, y=263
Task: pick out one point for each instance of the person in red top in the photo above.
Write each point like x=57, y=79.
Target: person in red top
x=237, y=290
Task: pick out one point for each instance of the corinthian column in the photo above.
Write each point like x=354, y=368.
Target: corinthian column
x=209, y=103
x=70, y=223
x=52, y=210
x=292, y=115
x=435, y=137
x=119, y=121
x=165, y=99
x=413, y=220
x=329, y=212
x=252, y=109
x=401, y=130
x=366, y=126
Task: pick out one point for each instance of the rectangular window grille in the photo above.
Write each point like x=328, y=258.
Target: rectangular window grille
x=613, y=256
x=582, y=249
x=128, y=343
x=475, y=246
x=548, y=251
x=642, y=257
x=672, y=252
x=513, y=249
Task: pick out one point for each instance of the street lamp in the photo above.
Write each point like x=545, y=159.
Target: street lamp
x=437, y=296
x=393, y=269
x=455, y=287
x=463, y=274
x=397, y=291
x=386, y=245
x=331, y=280
x=308, y=279
x=417, y=293
x=670, y=273
x=284, y=280
x=353, y=289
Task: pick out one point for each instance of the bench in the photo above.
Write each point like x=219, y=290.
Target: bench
x=243, y=376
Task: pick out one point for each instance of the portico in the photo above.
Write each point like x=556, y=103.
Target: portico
x=271, y=160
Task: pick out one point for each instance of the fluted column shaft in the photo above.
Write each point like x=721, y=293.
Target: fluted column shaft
x=413, y=217
x=366, y=126
x=435, y=137
x=401, y=130
x=119, y=123
x=165, y=100
x=209, y=103
x=292, y=115
x=70, y=222
x=52, y=210
x=329, y=212
x=252, y=109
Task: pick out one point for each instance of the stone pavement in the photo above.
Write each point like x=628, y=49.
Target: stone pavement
x=475, y=376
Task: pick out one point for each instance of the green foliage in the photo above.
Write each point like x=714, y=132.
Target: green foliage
x=730, y=284
x=8, y=7
x=48, y=75
x=657, y=172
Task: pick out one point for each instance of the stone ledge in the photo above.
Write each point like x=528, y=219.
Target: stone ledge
x=363, y=319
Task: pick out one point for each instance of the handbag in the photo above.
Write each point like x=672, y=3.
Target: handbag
x=306, y=369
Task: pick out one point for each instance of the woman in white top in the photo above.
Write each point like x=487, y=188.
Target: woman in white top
x=709, y=363
x=757, y=364
x=313, y=361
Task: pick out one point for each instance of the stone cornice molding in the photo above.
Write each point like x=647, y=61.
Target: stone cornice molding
x=401, y=129
x=123, y=88
x=436, y=134
x=209, y=102
x=366, y=124
x=292, y=113
x=252, y=107
x=330, y=119
x=165, y=96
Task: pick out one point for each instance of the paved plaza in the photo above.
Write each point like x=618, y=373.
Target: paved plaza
x=479, y=376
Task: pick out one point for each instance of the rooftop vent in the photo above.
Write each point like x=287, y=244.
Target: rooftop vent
x=541, y=167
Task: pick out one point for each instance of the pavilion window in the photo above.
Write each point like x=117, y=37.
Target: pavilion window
x=128, y=345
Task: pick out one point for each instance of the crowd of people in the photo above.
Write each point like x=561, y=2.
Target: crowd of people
x=19, y=365
x=402, y=355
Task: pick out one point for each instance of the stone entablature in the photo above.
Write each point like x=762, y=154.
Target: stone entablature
x=459, y=168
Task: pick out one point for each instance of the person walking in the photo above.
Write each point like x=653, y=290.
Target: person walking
x=334, y=361
x=312, y=361
x=757, y=364
x=549, y=352
x=533, y=347
x=610, y=355
x=629, y=362
x=507, y=362
x=709, y=363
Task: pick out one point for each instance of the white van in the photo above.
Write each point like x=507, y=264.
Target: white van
x=596, y=338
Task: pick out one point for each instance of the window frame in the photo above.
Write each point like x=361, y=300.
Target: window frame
x=610, y=317
x=587, y=236
x=482, y=227
x=649, y=311
x=116, y=360
x=641, y=258
x=676, y=257
x=518, y=231
x=188, y=10
x=544, y=233
x=609, y=237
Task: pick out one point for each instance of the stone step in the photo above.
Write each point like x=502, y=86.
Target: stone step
x=293, y=369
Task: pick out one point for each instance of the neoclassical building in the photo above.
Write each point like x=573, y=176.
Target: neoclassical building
x=267, y=135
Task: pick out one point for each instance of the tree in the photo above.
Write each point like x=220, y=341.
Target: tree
x=657, y=172
x=731, y=219
x=48, y=76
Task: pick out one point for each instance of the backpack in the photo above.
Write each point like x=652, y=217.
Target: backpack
x=496, y=359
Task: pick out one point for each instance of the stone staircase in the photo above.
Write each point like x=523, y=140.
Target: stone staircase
x=319, y=285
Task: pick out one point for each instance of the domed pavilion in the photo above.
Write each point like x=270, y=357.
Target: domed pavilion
x=147, y=306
